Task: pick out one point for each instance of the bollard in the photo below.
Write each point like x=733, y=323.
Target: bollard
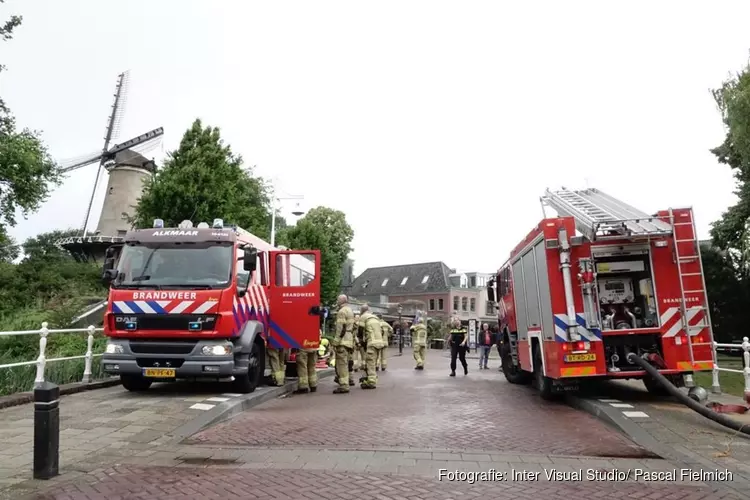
x=46, y=430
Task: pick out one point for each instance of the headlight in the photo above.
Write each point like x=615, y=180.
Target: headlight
x=216, y=350
x=114, y=349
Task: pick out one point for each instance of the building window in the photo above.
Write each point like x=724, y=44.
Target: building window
x=455, y=303
x=403, y=281
x=490, y=309
x=440, y=304
x=364, y=285
x=432, y=304
x=473, y=305
x=385, y=282
x=464, y=301
x=424, y=280
x=473, y=282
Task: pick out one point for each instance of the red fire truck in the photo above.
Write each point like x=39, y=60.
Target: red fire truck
x=203, y=302
x=602, y=280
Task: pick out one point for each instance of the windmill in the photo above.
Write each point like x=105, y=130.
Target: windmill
x=110, y=158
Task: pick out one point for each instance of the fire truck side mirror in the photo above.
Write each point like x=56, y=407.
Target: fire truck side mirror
x=249, y=259
x=109, y=273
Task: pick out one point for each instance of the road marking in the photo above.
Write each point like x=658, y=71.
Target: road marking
x=201, y=406
x=231, y=395
x=221, y=400
x=610, y=401
x=620, y=405
x=635, y=414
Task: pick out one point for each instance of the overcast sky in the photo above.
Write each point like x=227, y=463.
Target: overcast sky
x=435, y=126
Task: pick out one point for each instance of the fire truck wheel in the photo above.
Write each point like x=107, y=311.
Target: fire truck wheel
x=542, y=382
x=513, y=374
x=135, y=383
x=249, y=382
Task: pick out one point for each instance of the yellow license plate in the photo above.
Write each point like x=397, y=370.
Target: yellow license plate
x=578, y=358
x=159, y=372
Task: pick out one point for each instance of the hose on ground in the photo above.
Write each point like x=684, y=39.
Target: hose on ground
x=682, y=398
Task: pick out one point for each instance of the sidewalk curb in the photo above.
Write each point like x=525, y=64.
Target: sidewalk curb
x=229, y=409
x=616, y=419
x=22, y=398
x=682, y=457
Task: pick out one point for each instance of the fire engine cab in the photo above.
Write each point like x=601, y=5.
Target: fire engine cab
x=203, y=303
x=602, y=280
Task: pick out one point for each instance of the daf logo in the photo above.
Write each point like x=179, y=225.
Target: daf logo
x=124, y=319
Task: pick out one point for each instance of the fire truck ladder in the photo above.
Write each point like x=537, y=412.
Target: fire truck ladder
x=683, y=259
x=599, y=216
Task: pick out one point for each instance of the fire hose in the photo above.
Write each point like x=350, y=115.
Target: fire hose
x=684, y=399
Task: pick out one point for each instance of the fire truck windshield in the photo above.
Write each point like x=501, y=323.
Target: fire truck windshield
x=183, y=265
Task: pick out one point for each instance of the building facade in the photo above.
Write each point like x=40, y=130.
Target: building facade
x=432, y=287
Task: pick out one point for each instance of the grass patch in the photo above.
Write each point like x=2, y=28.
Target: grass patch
x=731, y=383
x=21, y=348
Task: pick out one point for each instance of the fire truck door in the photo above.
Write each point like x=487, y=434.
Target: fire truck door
x=295, y=298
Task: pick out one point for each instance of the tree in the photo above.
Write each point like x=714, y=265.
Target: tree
x=733, y=101
x=9, y=250
x=727, y=294
x=323, y=229
x=26, y=169
x=44, y=245
x=203, y=180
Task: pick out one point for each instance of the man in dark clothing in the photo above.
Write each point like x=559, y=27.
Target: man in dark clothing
x=458, y=339
x=486, y=340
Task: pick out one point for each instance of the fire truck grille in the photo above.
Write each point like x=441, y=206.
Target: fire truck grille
x=162, y=347
x=165, y=322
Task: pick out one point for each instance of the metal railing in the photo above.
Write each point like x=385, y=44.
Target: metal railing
x=745, y=346
x=41, y=361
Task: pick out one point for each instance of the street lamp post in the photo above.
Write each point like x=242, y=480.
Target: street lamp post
x=400, y=333
x=274, y=201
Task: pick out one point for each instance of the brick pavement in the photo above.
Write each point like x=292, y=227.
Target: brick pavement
x=106, y=422
x=199, y=483
x=363, y=469
x=426, y=409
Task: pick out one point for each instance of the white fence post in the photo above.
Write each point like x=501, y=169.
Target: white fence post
x=42, y=359
x=715, y=386
x=746, y=367
x=89, y=356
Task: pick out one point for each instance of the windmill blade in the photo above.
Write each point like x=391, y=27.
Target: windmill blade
x=118, y=108
x=151, y=136
x=80, y=161
x=148, y=146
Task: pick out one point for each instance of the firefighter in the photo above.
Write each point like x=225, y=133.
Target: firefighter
x=373, y=339
x=419, y=341
x=277, y=362
x=382, y=362
x=307, y=376
x=358, y=362
x=458, y=339
x=323, y=347
x=343, y=342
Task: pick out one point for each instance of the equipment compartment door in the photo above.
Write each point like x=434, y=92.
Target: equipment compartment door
x=295, y=298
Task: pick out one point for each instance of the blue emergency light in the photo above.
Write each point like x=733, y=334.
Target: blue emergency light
x=131, y=325
x=159, y=223
x=195, y=325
